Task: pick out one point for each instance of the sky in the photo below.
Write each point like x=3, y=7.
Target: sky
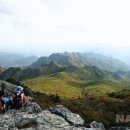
x=42, y=27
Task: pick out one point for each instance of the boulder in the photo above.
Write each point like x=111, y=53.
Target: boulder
x=31, y=107
x=70, y=117
x=97, y=126
x=7, y=88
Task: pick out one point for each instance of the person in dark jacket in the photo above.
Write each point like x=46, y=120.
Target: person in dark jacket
x=2, y=106
x=19, y=99
x=7, y=102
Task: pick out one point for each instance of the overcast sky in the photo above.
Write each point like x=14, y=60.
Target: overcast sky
x=46, y=26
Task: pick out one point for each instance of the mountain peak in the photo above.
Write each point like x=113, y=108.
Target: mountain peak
x=83, y=59
x=55, y=63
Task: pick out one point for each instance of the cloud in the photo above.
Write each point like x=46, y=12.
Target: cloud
x=58, y=25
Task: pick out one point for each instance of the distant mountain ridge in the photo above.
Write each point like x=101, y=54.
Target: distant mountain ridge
x=82, y=73
x=83, y=59
x=84, y=66
x=12, y=59
x=63, y=59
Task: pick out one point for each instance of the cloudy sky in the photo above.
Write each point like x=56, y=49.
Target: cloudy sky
x=46, y=26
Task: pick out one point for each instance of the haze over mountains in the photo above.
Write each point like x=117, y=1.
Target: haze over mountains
x=76, y=59
x=14, y=59
x=83, y=59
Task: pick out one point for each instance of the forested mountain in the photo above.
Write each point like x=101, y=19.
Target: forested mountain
x=82, y=73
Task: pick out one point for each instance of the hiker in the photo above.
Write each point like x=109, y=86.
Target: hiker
x=7, y=103
x=19, y=99
x=2, y=106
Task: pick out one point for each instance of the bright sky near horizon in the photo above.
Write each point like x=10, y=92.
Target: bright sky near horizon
x=45, y=26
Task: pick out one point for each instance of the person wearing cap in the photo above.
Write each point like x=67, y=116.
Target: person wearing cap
x=2, y=105
x=19, y=99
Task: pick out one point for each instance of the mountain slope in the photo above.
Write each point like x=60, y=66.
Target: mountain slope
x=62, y=59
x=124, y=74
x=82, y=73
x=69, y=85
x=83, y=59
x=1, y=70
x=19, y=74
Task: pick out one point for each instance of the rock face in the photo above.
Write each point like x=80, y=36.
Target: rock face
x=70, y=117
x=32, y=117
x=94, y=125
x=7, y=88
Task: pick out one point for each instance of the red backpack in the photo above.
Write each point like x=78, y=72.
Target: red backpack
x=23, y=99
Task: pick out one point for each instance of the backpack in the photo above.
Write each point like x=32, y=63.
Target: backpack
x=23, y=99
x=17, y=100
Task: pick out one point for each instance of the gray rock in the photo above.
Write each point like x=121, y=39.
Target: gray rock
x=120, y=128
x=54, y=118
x=97, y=126
x=2, y=128
x=7, y=88
x=62, y=111
x=28, y=129
x=31, y=107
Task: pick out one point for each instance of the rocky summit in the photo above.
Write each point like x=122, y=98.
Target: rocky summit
x=32, y=117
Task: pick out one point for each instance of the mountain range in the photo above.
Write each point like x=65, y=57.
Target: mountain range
x=84, y=65
x=72, y=72
x=13, y=59
x=64, y=59
x=83, y=59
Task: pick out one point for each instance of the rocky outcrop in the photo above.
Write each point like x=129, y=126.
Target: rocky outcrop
x=32, y=117
x=70, y=117
x=99, y=126
x=7, y=88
